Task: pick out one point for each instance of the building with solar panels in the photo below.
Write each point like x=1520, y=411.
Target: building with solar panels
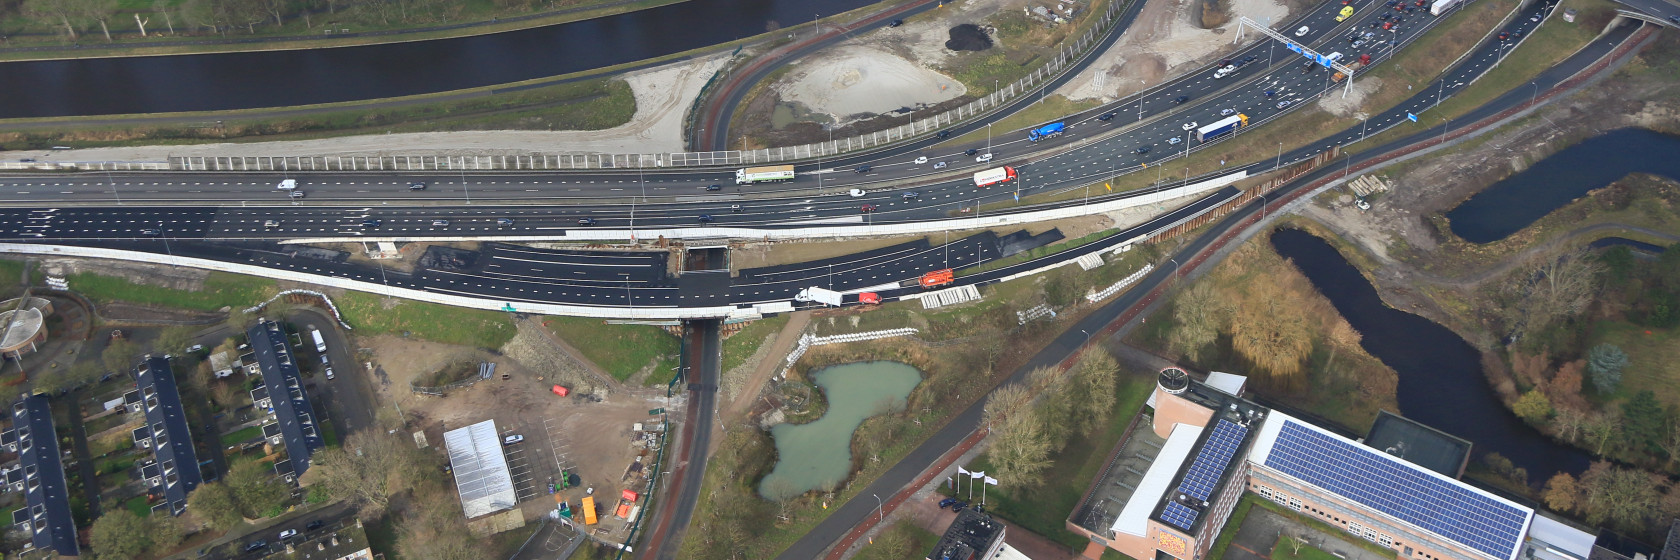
x=1169, y=489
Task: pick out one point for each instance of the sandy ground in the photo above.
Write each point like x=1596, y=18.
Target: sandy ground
x=1163, y=42
x=663, y=96
x=855, y=79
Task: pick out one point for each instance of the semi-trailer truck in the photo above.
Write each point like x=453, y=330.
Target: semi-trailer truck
x=1051, y=130
x=770, y=174
x=994, y=176
x=1222, y=126
x=1441, y=6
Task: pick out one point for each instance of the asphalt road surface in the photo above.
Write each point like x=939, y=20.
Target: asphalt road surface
x=689, y=470
x=857, y=510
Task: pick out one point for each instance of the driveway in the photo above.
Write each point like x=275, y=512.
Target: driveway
x=349, y=395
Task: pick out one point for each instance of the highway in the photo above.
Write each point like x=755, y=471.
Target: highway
x=862, y=506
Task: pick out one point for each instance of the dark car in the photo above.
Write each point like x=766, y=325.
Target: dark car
x=253, y=547
x=586, y=221
x=896, y=23
x=1142, y=150
x=1675, y=19
x=1181, y=99
x=1307, y=67
x=370, y=223
x=912, y=195
x=1107, y=116
x=864, y=169
x=313, y=525
x=958, y=507
x=945, y=503
x=970, y=151
x=1250, y=58
x=504, y=221
x=151, y=232
x=944, y=134
x=706, y=218
x=714, y=187
x=417, y=186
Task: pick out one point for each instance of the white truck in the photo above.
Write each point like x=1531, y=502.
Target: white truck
x=320, y=343
x=769, y=174
x=286, y=185
x=819, y=295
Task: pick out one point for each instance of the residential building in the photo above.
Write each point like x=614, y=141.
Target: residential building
x=171, y=440
x=49, y=524
x=298, y=430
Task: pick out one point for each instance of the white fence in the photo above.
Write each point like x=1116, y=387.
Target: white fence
x=1097, y=296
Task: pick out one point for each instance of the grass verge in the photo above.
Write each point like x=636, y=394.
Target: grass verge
x=220, y=289
x=903, y=540
x=593, y=104
x=242, y=435
x=741, y=345
x=1044, y=509
x=1050, y=109
x=621, y=350
x=372, y=314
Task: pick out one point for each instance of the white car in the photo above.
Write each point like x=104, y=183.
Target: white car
x=983, y=158
x=921, y=160
x=510, y=440
x=288, y=533
x=194, y=348
x=1225, y=71
x=1303, y=31
x=940, y=165
x=329, y=374
x=1226, y=112
x=1174, y=140
x=1189, y=125
x=857, y=193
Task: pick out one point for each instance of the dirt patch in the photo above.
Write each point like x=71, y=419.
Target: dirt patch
x=1168, y=38
x=753, y=255
x=1348, y=106
x=854, y=81
x=968, y=37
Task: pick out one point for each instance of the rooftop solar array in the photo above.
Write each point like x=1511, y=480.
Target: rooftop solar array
x=481, y=471
x=1205, y=471
x=1407, y=492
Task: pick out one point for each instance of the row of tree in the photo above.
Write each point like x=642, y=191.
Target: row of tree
x=73, y=18
x=1033, y=420
x=1628, y=499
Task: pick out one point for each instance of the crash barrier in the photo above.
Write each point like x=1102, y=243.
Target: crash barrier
x=950, y=296
x=1121, y=285
x=808, y=340
x=330, y=306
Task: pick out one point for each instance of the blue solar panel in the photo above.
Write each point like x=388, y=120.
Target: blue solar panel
x=1178, y=515
x=1445, y=507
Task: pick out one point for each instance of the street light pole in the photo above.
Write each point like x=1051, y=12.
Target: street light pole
x=113, y=182
x=879, y=506
x=1279, y=163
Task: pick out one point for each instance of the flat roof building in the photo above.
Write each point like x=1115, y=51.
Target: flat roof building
x=972, y=536
x=290, y=405
x=50, y=525
x=481, y=471
x=171, y=440
x=1206, y=446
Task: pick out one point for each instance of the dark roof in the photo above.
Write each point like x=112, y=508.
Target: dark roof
x=45, y=493
x=283, y=467
x=131, y=397
x=1419, y=444
x=14, y=475
x=1203, y=477
x=171, y=439
x=259, y=393
x=8, y=437
x=20, y=515
x=270, y=430
x=1671, y=547
x=971, y=535
x=140, y=433
x=290, y=404
x=149, y=470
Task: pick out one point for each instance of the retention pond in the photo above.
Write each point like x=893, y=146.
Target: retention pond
x=819, y=454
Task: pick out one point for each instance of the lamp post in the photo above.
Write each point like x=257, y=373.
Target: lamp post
x=1279, y=163
x=629, y=298
x=879, y=516
x=1175, y=268
x=1364, y=124
x=113, y=182
x=1144, y=85
x=1536, y=95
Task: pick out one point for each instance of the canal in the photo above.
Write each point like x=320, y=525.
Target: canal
x=246, y=80
x=1441, y=380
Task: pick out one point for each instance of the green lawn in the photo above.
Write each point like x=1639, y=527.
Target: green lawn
x=1044, y=509
x=220, y=290
x=741, y=345
x=448, y=324
x=1051, y=108
x=622, y=350
x=11, y=273
x=1285, y=550
x=902, y=540
x=138, y=506
x=1653, y=359
x=243, y=435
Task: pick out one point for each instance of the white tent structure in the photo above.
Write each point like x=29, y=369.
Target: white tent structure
x=481, y=471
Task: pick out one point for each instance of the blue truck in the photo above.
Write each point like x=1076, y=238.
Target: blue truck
x=1047, y=131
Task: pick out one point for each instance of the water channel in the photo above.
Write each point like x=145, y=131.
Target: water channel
x=1441, y=381
x=1515, y=202
x=245, y=80
x=819, y=454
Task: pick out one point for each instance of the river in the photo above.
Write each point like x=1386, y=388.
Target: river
x=246, y=80
x=1513, y=203
x=1441, y=380
x=819, y=454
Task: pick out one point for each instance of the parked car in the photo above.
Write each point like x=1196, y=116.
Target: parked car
x=329, y=374
x=255, y=546
x=195, y=348
x=286, y=534
x=513, y=439
x=945, y=503
x=313, y=525
x=324, y=361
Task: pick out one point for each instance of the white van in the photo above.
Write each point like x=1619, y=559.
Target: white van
x=287, y=184
x=1335, y=56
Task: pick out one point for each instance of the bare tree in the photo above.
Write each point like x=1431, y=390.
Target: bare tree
x=1022, y=450
x=1550, y=288
x=1271, y=336
x=1197, y=314
x=1620, y=496
x=368, y=469
x=66, y=13
x=1005, y=402
x=1600, y=428
x=1094, y=379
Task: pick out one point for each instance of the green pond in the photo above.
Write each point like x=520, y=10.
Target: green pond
x=819, y=454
